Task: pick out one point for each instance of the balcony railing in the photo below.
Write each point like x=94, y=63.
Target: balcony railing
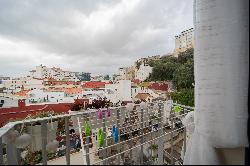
x=146, y=135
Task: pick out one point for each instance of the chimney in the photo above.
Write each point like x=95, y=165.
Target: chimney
x=21, y=103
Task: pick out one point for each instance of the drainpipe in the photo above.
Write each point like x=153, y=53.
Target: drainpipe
x=221, y=67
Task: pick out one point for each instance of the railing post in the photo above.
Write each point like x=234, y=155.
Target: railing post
x=130, y=130
x=142, y=127
x=104, y=154
x=87, y=147
x=1, y=152
x=87, y=150
x=161, y=140
x=118, y=126
x=11, y=152
x=151, y=130
x=44, y=141
x=82, y=144
x=185, y=136
x=18, y=153
x=172, y=140
x=67, y=140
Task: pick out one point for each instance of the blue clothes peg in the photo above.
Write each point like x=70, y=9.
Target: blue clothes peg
x=115, y=133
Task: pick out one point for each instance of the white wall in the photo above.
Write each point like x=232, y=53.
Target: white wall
x=136, y=90
x=40, y=95
x=125, y=90
x=119, y=91
x=14, y=85
x=143, y=72
x=33, y=84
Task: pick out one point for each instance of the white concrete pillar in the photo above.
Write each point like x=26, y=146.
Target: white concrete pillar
x=221, y=63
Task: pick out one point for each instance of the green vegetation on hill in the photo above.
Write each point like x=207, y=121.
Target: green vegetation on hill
x=178, y=70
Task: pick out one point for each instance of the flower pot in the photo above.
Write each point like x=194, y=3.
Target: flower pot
x=36, y=134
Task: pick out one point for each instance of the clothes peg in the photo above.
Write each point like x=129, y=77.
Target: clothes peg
x=115, y=133
x=100, y=138
x=99, y=114
x=108, y=112
x=87, y=129
x=177, y=109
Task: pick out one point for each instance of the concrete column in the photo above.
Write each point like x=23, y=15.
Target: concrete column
x=221, y=64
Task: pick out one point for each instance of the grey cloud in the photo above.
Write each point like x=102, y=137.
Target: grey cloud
x=93, y=35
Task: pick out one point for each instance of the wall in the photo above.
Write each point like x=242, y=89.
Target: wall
x=119, y=91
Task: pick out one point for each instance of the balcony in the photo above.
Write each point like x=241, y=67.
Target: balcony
x=143, y=134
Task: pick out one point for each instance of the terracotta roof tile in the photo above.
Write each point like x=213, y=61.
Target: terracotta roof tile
x=20, y=113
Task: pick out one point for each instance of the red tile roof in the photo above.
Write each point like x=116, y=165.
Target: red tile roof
x=159, y=86
x=67, y=90
x=20, y=113
x=72, y=90
x=136, y=81
x=52, y=81
x=142, y=96
x=23, y=93
x=94, y=84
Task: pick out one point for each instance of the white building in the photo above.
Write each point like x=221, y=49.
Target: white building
x=126, y=73
x=96, y=77
x=40, y=96
x=93, y=94
x=122, y=73
x=52, y=96
x=184, y=41
x=33, y=83
x=121, y=91
x=143, y=72
x=140, y=89
x=56, y=73
x=14, y=85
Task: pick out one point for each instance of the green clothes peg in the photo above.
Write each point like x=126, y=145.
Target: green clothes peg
x=177, y=109
x=100, y=137
x=87, y=129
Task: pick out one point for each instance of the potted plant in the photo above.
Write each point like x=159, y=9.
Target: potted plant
x=154, y=148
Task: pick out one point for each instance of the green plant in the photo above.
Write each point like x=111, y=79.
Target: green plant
x=184, y=97
x=154, y=158
x=138, y=64
x=154, y=146
x=61, y=127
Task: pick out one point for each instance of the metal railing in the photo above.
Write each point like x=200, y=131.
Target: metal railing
x=144, y=138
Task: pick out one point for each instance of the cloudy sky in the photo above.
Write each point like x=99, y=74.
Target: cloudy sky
x=95, y=36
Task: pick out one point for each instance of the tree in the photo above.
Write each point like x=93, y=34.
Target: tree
x=163, y=72
x=183, y=76
x=183, y=57
x=183, y=96
x=84, y=76
x=138, y=64
x=106, y=77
